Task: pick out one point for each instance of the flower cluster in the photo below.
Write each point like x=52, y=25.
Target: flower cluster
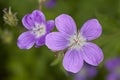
x=75, y=43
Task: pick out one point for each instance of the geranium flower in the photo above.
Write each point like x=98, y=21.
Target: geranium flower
x=87, y=72
x=37, y=28
x=76, y=43
x=50, y=3
x=113, y=66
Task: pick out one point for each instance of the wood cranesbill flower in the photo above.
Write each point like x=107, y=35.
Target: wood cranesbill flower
x=51, y=3
x=113, y=67
x=77, y=44
x=37, y=28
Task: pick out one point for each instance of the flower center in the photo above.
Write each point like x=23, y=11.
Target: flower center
x=39, y=30
x=77, y=41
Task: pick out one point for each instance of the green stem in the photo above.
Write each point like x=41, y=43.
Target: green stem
x=41, y=3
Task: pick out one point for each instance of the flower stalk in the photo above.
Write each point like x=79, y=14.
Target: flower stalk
x=41, y=3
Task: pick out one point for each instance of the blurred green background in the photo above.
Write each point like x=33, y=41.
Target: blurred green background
x=35, y=64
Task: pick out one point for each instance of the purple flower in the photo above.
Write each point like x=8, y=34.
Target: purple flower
x=78, y=49
x=50, y=3
x=113, y=66
x=37, y=28
x=87, y=72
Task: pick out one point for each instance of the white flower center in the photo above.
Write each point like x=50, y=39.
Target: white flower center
x=39, y=30
x=77, y=41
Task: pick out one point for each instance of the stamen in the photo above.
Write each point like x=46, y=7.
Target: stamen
x=77, y=41
x=39, y=30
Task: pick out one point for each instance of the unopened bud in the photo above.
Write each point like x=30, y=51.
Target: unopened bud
x=6, y=37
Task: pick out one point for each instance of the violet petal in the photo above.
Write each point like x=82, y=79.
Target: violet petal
x=92, y=54
x=38, y=16
x=109, y=64
x=50, y=3
x=40, y=41
x=26, y=40
x=112, y=76
x=28, y=21
x=56, y=41
x=73, y=60
x=91, y=71
x=65, y=24
x=91, y=29
x=50, y=25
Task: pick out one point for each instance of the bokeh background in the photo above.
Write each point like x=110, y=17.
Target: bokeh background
x=39, y=63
